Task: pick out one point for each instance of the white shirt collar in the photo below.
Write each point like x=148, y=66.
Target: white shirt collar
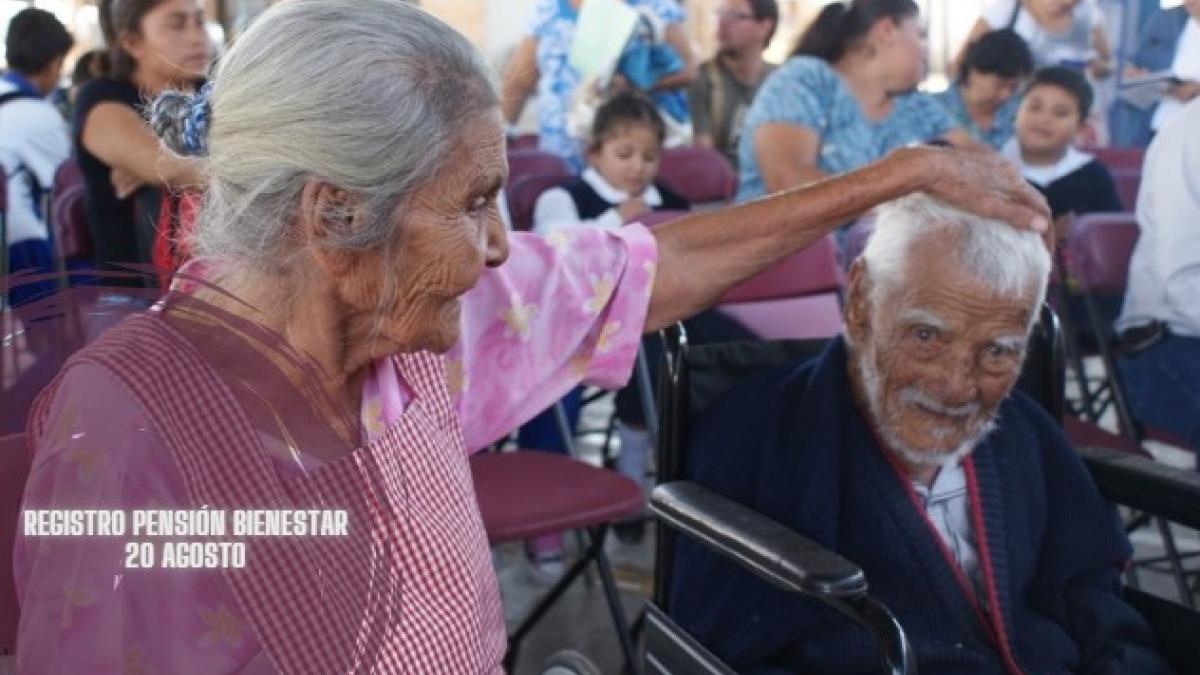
x=612, y=195
x=949, y=483
x=1042, y=176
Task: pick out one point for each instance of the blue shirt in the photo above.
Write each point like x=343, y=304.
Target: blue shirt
x=807, y=92
x=1004, y=122
x=553, y=27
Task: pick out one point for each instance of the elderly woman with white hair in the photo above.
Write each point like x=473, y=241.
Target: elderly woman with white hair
x=348, y=331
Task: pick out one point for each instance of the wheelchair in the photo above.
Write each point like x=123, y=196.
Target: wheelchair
x=694, y=377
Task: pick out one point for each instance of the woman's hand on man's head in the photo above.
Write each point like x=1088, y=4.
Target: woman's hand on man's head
x=983, y=183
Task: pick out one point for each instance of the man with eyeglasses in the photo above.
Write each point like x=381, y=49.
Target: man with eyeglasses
x=727, y=83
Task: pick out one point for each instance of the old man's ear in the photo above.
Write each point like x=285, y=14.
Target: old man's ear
x=858, y=302
x=328, y=213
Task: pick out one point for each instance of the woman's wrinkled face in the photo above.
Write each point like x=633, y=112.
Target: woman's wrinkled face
x=444, y=237
x=172, y=43
x=937, y=358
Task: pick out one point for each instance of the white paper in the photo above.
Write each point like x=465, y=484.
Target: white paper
x=1145, y=91
x=601, y=33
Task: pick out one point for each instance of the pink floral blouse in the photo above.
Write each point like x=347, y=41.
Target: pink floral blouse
x=563, y=310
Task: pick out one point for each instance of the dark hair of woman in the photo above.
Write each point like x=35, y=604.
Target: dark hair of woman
x=118, y=18
x=999, y=52
x=842, y=25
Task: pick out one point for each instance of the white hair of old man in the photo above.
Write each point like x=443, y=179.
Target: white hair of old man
x=1014, y=263
x=369, y=95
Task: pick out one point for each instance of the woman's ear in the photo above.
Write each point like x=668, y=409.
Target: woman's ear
x=326, y=213
x=858, y=302
x=133, y=44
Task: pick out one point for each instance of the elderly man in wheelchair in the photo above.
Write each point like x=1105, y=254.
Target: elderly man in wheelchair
x=904, y=448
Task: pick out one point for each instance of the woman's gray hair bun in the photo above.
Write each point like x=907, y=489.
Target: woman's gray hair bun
x=181, y=121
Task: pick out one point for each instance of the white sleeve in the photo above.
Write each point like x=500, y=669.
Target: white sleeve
x=556, y=210
x=47, y=143
x=1091, y=12
x=998, y=13
x=1176, y=212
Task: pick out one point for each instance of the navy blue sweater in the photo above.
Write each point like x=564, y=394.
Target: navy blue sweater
x=792, y=445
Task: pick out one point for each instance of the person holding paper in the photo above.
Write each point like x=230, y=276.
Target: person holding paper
x=541, y=62
x=1169, y=44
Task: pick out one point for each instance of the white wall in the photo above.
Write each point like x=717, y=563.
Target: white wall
x=507, y=22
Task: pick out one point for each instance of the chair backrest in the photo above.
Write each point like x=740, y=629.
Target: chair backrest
x=810, y=271
x=703, y=175
x=525, y=162
x=1098, y=250
x=1128, y=182
x=655, y=218
x=14, y=470
x=3, y=237
x=523, y=142
x=693, y=378
x=1117, y=159
x=523, y=195
x=855, y=239
x=68, y=213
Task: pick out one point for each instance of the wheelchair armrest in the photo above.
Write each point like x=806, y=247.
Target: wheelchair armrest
x=1145, y=484
x=756, y=542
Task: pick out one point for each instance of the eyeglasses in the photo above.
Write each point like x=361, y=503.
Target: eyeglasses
x=732, y=15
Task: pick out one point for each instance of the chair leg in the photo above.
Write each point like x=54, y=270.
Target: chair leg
x=608, y=459
x=1185, y=594
x=1136, y=522
x=543, y=605
x=581, y=545
x=614, y=601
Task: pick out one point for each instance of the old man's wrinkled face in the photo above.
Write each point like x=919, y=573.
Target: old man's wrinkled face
x=936, y=356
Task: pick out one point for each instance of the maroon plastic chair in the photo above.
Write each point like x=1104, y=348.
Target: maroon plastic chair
x=798, y=298
x=524, y=162
x=1120, y=158
x=523, y=142
x=14, y=471
x=702, y=175
x=655, y=218
x=68, y=215
x=1128, y=182
x=523, y=195
x=1099, y=248
x=527, y=494
x=3, y=237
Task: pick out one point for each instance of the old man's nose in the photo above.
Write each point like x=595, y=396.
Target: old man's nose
x=956, y=385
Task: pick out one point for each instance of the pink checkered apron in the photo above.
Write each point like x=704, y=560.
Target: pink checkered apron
x=410, y=590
